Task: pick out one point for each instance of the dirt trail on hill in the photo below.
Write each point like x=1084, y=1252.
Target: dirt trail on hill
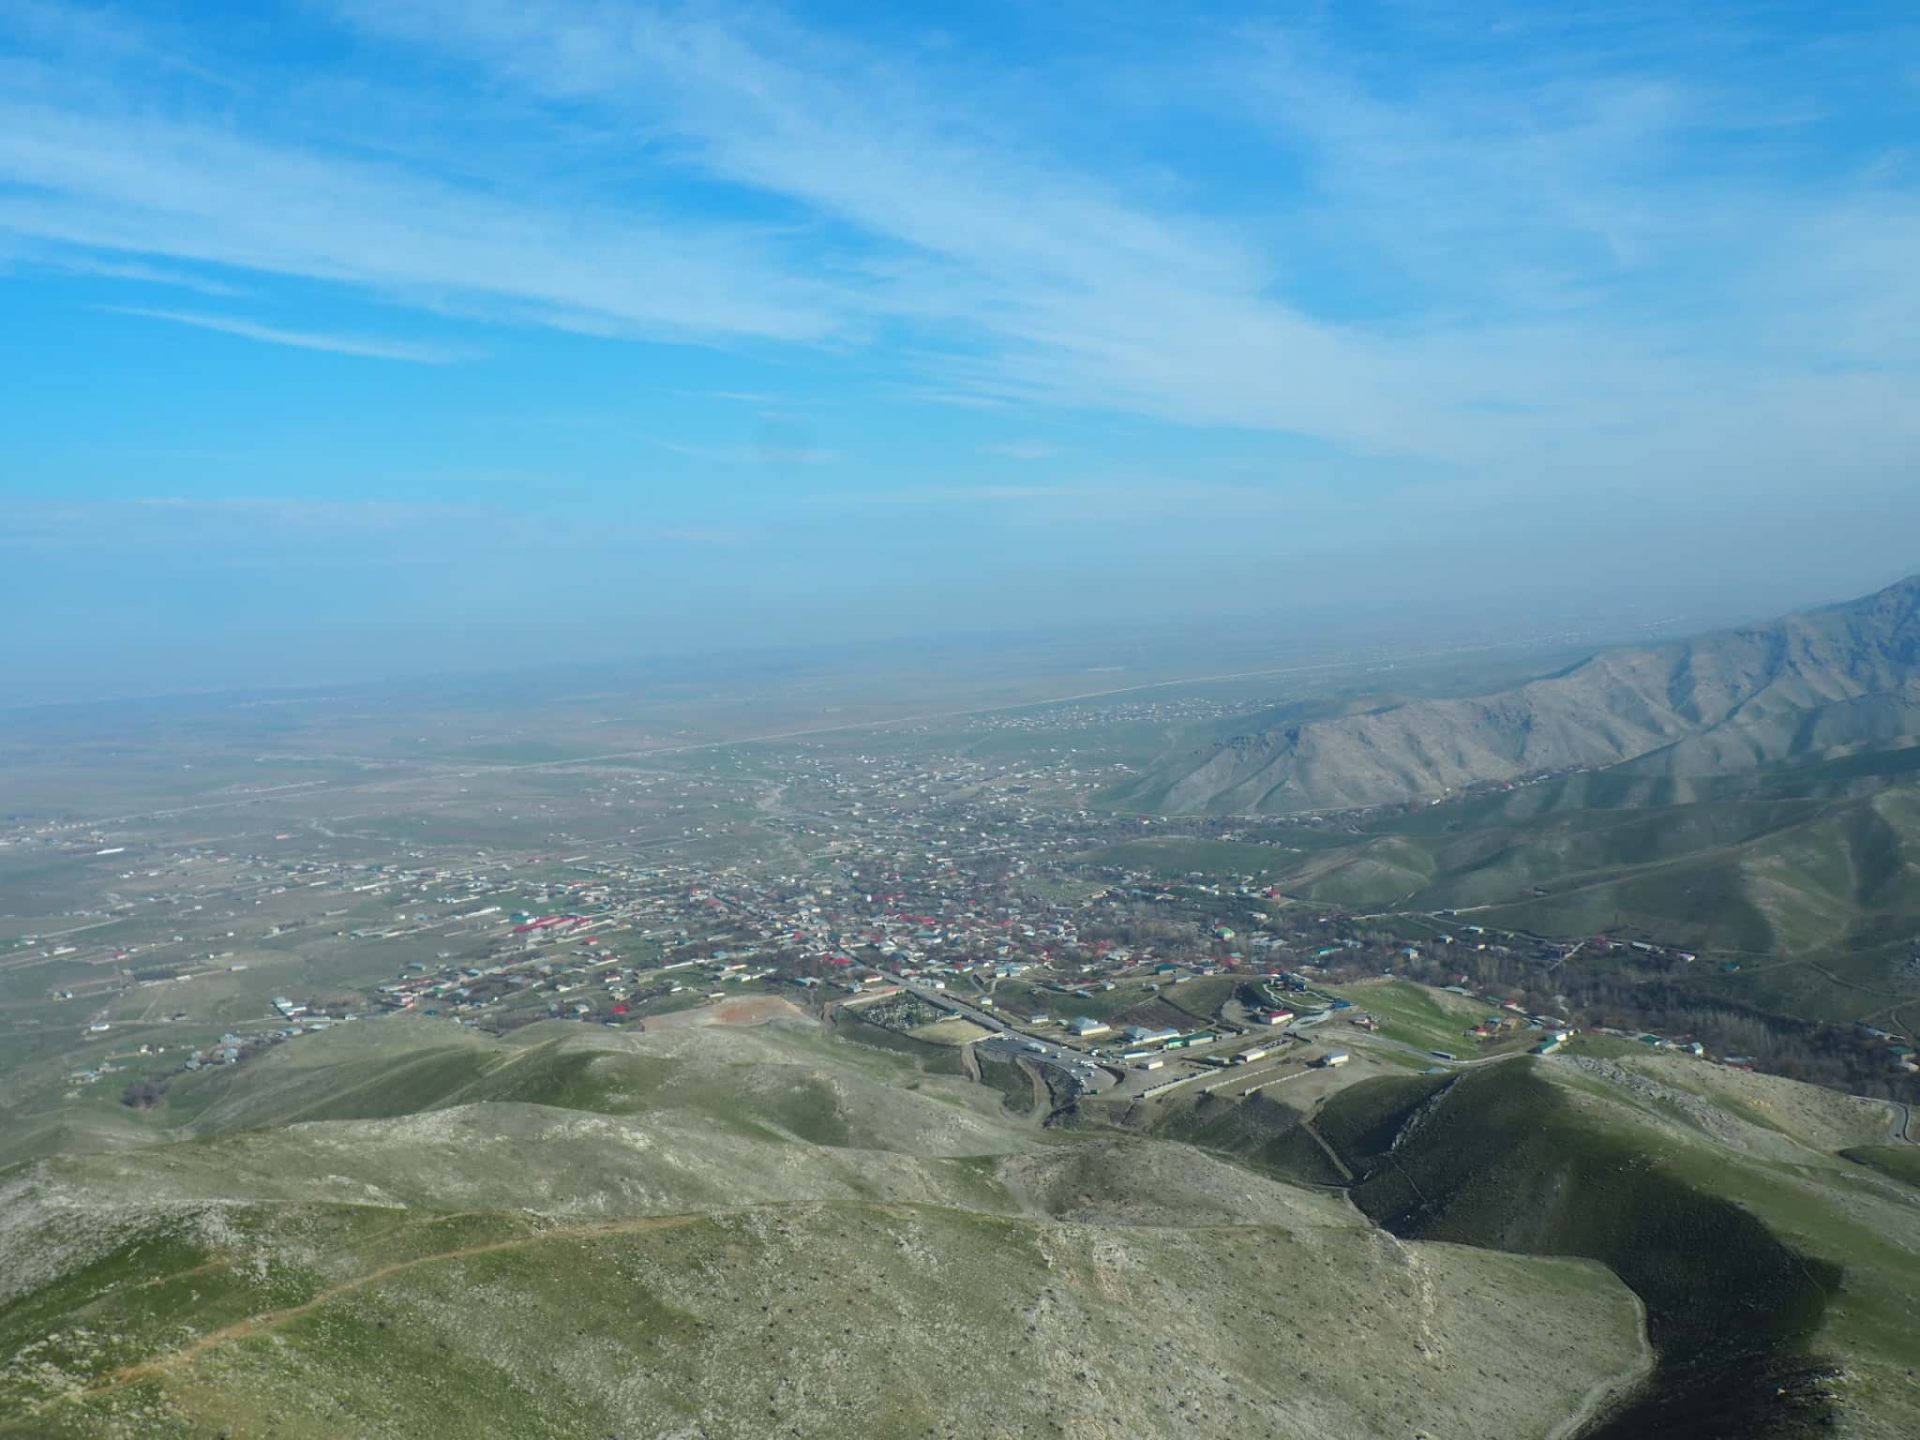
x=1611, y=1389
x=270, y=1319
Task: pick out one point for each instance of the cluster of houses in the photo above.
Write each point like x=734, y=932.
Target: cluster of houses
x=948, y=870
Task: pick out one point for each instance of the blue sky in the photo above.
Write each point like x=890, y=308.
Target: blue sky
x=361, y=336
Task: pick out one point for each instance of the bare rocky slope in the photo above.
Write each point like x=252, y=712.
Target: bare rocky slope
x=1847, y=676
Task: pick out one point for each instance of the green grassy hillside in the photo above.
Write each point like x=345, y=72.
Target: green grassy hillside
x=1758, y=871
x=407, y=1230
x=1807, y=875
x=1779, y=1276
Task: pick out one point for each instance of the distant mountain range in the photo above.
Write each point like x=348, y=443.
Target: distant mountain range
x=1827, y=681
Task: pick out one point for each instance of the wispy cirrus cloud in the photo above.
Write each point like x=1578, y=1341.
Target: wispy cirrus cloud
x=140, y=273
x=1160, y=503
x=245, y=524
x=1448, y=270
x=1082, y=296
x=1021, y=450
x=1461, y=271
x=366, y=346
x=763, y=452
x=223, y=529
x=99, y=178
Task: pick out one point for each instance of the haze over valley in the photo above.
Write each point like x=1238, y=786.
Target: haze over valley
x=762, y=720
x=358, y=1003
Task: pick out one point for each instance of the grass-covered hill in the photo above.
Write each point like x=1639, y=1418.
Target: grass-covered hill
x=1819, y=683
x=1780, y=1266
x=402, y=1229
x=1788, y=859
x=1806, y=874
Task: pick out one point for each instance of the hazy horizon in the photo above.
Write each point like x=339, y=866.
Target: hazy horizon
x=1149, y=652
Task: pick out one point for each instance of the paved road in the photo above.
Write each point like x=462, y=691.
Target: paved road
x=1902, y=1121
x=1096, y=1078
x=1011, y=1043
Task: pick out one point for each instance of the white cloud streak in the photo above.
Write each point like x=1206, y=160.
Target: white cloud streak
x=1084, y=298
x=276, y=529
x=1538, y=236
x=145, y=185
x=140, y=273
x=364, y=346
x=1026, y=450
x=1521, y=226
x=770, y=453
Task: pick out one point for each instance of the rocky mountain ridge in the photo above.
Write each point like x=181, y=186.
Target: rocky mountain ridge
x=1846, y=676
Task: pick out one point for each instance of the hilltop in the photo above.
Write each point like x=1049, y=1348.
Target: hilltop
x=723, y=1232
x=759, y=1226
x=1769, y=1228
x=1812, y=684
x=1754, y=1217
